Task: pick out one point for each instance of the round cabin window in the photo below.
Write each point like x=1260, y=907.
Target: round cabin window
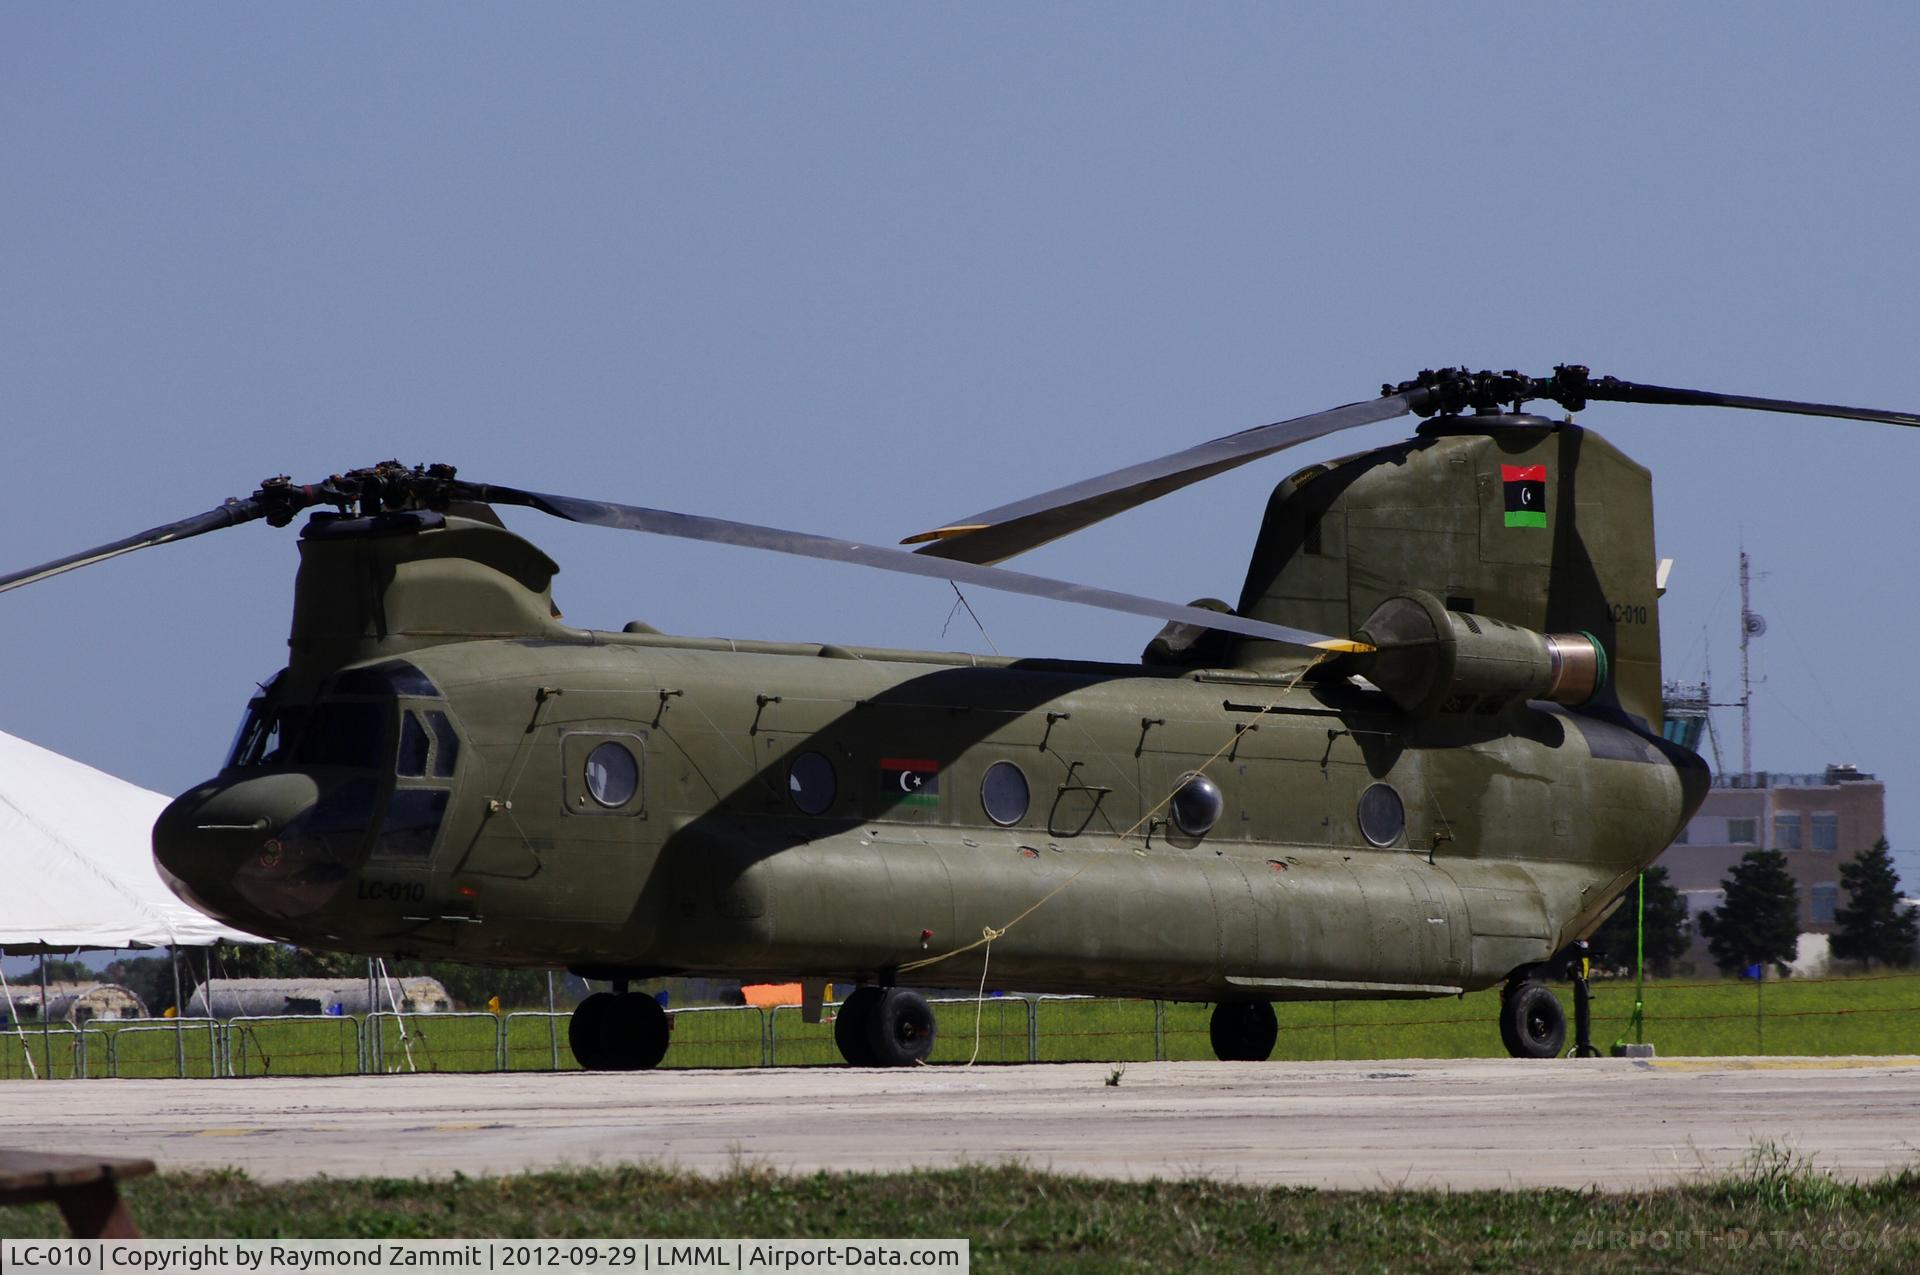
x=1197, y=804
x=1382, y=816
x=613, y=776
x=1003, y=793
x=811, y=783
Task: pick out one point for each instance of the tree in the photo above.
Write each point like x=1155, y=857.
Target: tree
x=148, y=977
x=1666, y=935
x=271, y=960
x=1872, y=925
x=61, y=971
x=471, y=986
x=1760, y=919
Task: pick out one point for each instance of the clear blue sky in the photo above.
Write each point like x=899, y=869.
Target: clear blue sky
x=852, y=268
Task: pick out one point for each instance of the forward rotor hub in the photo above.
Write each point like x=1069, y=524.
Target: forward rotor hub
x=375, y=489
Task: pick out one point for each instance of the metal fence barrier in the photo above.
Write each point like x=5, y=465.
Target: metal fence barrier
x=293, y=1045
x=1084, y=1029
x=1878, y=1015
x=177, y=1047
x=465, y=1041
x=719, y=1036
x=996, y=1029
x=703, y=1036
x=1008, y=1028
x=96, y=1051
x=59, y=1052
x=1005, y=1027
x=536, y=1040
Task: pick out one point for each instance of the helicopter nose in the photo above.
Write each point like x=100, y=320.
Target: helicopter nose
x=211, y=842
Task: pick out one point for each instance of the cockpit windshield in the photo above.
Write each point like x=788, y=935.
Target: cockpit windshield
x=351, y=725
x=266, y=735
x=267, y=731
x=386, y=717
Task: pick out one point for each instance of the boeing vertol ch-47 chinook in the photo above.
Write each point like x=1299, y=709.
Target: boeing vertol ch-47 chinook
x=1422, y=754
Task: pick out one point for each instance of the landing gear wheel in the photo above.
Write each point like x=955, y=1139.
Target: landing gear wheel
x=1243, y=1031
x=899, y=1028
x=850, y=1027
x=627, y=1032
x=586, y=1027
x=636, y=1033
x=1532, y=1024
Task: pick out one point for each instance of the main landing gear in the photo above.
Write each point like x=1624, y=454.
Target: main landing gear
x=619, y=1031
x=884, y=1027
x=1243, y=1031
x=1532, y=1024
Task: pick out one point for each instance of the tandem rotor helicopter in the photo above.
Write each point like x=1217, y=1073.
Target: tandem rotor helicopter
x=1421, y=755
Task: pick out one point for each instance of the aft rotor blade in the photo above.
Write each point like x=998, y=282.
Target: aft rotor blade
x=230, y=514
x=662, y=522
x=1609, y=389
x=999, y=534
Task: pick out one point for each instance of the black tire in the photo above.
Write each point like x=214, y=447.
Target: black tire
x=635, y=1033
x=586, y=1030
x=900, y=1028
x=850, y=1026
x=1243, y=1031
x=1532, y=1024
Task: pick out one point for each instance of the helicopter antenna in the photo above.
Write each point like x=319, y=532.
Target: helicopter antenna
x=960, y=600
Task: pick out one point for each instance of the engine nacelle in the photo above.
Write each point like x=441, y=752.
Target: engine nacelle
x=1432, y=660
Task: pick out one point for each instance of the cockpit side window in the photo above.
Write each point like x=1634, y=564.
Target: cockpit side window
x=428, y=753
x=446, y=744
x=412, y=761
x=412, y=822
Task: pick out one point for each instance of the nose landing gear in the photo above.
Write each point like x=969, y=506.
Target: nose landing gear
x=622, y=1031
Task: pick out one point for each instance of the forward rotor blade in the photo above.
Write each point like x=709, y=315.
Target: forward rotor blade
x=232, y=513
x=999, y=534
x=1609, y=389
x=661, y=522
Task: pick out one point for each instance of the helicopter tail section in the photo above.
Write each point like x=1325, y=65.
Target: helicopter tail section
x=1528, y=523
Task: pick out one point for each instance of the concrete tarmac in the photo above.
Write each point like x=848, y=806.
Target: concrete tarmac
x=1462, y=1124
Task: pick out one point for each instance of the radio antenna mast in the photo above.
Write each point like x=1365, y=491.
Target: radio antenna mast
x=1752, y=625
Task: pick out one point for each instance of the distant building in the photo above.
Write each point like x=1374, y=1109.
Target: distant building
x=1818, y=822
x=76, y=1003
x=259, y=997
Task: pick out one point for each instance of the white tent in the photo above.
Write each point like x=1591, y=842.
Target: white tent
x=76, y=861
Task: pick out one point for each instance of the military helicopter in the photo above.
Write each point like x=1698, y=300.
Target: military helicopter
x=1420, y=755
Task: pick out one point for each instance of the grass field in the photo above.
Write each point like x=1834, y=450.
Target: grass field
x=1776, y=1214
x=1874, y=1014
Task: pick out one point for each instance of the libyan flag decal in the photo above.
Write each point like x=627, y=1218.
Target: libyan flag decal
x=1526, y=494
x=909, y=781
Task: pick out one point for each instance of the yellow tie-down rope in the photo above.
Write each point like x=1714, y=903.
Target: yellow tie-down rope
x=989, y=933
